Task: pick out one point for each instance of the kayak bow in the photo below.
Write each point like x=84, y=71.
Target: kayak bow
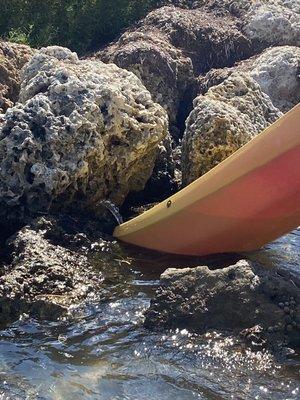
x=246, y=201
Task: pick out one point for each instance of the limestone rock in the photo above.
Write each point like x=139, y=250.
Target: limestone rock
x=264, y=22
x=12, y=59
x=275, y=22
x=234, y=298
x=171, y=46
x=163, y=69
x=276, y=70
x=224, y=119
x=83, y=131
x=177, y=42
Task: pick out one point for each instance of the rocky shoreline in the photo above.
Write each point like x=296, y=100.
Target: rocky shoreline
x=133, y=123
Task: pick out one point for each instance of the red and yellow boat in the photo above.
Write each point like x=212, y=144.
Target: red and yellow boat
x=248, y=200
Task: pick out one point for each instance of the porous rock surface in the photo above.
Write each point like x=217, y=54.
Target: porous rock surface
x=83, y=131
x=44, y=278
x=171, y=46
x=273, y=22
x=176, y=43
x=277, y=70
x=224, y=119
x=238, y=297
x=13, y=57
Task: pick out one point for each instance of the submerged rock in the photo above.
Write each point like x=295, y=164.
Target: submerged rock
x=235, y=298
x=224, y=119
x=13, y=57
x=44, y=278
x=83, y=131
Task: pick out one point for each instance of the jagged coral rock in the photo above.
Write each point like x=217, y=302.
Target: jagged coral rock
x=224, y=119
x=173, y=44
x=84, y=131
x=12, y=59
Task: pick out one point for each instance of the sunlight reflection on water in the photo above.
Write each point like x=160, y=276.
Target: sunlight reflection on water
x=104, y=353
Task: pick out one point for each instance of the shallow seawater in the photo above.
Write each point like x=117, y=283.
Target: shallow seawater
x=102, y=351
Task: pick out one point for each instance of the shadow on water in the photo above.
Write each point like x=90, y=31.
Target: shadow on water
x=101, y=351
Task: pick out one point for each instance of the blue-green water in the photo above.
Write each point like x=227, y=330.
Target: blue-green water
x=102, y=351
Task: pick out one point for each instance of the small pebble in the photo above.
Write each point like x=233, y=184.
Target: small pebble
x=281, y=305
x=289, y=328
x=286, y=310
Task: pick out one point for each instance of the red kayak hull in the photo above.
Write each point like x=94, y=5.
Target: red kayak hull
x=248, y=200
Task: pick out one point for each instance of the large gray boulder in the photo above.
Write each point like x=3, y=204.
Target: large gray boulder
x=224, y=119
x=83, y=131
x=277, y=70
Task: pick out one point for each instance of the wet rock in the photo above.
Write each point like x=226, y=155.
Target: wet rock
x=44, y=279
x=276, y=70
x=235, y=298
x=170, y=47
x=13, y=57
x=224, y=119
x=84, y=131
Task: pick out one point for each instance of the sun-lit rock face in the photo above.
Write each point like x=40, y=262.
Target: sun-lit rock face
x=13, y=57
x=83, y=131
x=277, y=71
x=275, y=22
x=223, y=120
